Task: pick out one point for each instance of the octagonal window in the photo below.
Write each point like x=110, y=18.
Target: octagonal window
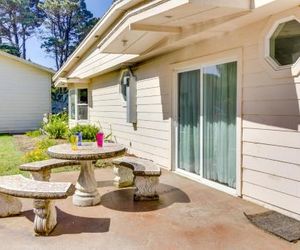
x=285, y=43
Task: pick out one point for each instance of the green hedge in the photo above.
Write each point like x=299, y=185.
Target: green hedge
x=88, y=132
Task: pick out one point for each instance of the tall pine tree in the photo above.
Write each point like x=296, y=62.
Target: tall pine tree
x=67, y=22
x=19, y=19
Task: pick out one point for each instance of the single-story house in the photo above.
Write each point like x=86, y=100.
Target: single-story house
x=209, y=89
x=25, y=94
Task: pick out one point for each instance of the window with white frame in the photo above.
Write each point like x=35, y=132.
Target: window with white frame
x=78, y=104
x=284, y=42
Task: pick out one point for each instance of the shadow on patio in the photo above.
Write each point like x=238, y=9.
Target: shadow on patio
x=122, y=199
x=187, y=216
x=70, y=224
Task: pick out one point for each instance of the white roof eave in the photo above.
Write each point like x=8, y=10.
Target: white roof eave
x=115, y=12
x=109, y=17
x=32, y=64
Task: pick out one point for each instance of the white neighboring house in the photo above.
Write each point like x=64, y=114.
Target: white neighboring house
x=209, y=89
x=25, y=94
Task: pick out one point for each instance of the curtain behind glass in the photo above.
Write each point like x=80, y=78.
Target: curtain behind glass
x=189, y=121
x=219, y=123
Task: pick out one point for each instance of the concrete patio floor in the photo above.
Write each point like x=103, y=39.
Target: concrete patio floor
x=188, y=216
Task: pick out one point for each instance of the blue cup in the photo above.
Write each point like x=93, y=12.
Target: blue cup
x=79, y=135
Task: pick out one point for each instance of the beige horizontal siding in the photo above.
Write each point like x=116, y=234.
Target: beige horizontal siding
x=150, y=138
x=264, y=79
x=274, y=107
x=272, y=167
x=270, y=112
x=251, y=52
x=269, y=122
x=276, y=183
x=253, y=66
x=152, y=100
x=272, y=197
x=271, y=138
x=285, y=154
x=290, y=91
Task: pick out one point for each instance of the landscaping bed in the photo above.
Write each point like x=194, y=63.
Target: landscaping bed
x=18, y=149
x=32, y=146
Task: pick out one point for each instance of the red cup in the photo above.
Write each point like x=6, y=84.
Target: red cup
x=100, y=139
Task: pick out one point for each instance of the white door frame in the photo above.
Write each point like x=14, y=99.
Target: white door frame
x=199, y=63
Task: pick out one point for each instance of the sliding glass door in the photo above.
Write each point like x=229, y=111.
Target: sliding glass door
x=219, y=123
x=207, y=122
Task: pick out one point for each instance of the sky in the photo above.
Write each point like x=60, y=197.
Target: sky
x=37, y=55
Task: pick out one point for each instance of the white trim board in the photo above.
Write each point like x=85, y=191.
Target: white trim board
x=206, y=182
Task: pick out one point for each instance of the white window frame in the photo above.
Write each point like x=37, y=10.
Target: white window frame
x=77, y=104
x=221, y=58
x=274, y=64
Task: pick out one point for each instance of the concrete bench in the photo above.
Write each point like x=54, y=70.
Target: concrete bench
x=43, y=194
x=143, y=173
x=41, y=170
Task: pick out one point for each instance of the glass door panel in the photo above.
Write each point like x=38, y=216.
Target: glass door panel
x=189, y=121
x=219, y=123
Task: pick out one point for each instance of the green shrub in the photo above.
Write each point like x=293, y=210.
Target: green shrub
x=88, y=132
x=34, y=134
x=45, y=144
x=63, y=116
x=56, y=125
x=56, y=129
x=40, y=151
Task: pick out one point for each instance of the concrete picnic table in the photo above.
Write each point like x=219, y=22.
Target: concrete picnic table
x=86, y=193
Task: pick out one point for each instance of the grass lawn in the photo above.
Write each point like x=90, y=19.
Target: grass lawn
x=10, y=156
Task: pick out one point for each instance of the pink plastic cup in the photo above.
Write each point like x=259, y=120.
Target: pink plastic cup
x=100, y=139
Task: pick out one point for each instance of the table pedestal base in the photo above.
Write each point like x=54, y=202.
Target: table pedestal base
x=86, y=193
x=81, y=199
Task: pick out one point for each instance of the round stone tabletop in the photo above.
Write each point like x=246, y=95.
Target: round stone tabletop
x=88, y=151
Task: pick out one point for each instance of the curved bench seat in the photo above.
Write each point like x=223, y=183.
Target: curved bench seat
x=140, y=167
x=43, y=194
x=142, y=172
x=19, y=186
x=41, y=170
x=47, y=165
